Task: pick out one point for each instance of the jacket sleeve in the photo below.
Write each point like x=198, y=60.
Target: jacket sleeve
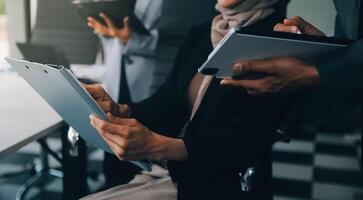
x=142, y=44
x=235, y=145
x=164, y=112
x=149, y=12
x=161, y=112
x=342, y=74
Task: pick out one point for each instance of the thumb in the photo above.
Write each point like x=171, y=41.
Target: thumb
x=253, y=66
x=126, y=22
x=303, y=25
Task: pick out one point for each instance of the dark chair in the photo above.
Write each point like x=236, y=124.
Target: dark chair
x=58, y=23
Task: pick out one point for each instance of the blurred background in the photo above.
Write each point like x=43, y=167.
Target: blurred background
x=321, y=161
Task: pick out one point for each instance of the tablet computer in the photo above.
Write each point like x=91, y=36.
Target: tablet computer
x=116, y=10
x=247, y=45
x=42, y=53
x=64, y=93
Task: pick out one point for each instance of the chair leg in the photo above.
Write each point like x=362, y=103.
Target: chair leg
x=27, y=185
x=45, y=170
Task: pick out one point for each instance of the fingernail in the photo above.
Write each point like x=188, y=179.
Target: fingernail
x=294, y=29
x=222, y=82
x=91, y=117
x=237, y=67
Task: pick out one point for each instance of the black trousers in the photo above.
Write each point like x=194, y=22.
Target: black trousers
x=120, y=172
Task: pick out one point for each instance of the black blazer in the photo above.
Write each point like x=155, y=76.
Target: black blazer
x=229, y=132
x=342, y=71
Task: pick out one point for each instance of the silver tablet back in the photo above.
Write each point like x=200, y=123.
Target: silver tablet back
x=235, y=47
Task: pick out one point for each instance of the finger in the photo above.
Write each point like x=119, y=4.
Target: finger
x=119, y=141
x=94, y=23
x=91, y=25
x=265, y=66
x=306, y=27
x=95, y=90
x=282, y=28
x=104, y=127
x=299, y=22
x=91, y=19
x=247, y=84
x=126, y=23
x=105, y=105
x=122, y=121
x=117, y=150
x=108, y=21
x=124, y=108
x=90, y=89
x=289, y=22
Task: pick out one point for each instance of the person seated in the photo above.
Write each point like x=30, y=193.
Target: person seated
x=209, y=134
x=131, y=57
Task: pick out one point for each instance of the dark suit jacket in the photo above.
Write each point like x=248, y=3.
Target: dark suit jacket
x=342, y=72
x=228, y=133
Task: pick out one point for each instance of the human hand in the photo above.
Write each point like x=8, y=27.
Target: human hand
x=282, y=75
x=298, y=25
x=105, y=101
x=124, y=34
x=130, y=140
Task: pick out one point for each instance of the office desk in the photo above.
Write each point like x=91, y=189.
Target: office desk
x=24, y=115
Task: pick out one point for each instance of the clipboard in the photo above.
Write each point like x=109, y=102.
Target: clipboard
x=116, y=10
x=64, y=93
x=245, y=44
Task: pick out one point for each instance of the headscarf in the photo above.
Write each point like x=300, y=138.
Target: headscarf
x=245, y=13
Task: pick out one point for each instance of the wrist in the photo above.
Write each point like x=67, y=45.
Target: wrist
x=124, y=38
x=311, y=77
x=166, y=148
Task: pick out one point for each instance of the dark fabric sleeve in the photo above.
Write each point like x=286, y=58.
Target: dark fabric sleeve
x=164, y=112
x=235, y=145
x=342, y=74
x=161, y=112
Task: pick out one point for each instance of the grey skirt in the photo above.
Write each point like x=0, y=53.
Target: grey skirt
x=156, y=185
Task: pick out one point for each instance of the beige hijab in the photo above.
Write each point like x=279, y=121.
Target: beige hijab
x=247, y=12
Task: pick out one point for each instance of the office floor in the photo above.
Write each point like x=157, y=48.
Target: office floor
x=320, y=167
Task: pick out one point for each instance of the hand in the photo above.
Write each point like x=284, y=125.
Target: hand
x=124, y=34
x=283, y=75
x=106, y=102
x=298, y=25
x=130, y=140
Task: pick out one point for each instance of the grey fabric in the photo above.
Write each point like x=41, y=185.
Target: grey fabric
x=59, y=24
x=347, y=18
x=156, y=189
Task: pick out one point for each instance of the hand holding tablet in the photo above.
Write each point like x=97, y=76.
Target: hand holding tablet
x=65, y=94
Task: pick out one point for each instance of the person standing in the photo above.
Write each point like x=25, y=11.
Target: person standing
x=340, y=72
x=138, y=64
